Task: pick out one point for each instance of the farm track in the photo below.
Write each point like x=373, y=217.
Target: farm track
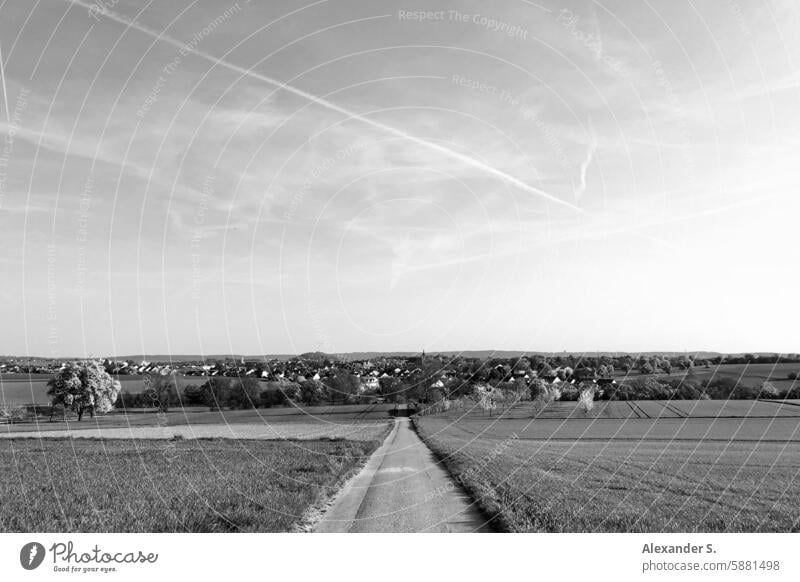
x=638, y=410
x=404, y=488
x=669, y=406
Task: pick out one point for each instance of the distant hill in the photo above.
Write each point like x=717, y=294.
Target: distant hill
x=164, y=358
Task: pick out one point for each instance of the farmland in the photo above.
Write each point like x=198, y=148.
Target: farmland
x=32, y=388
x=355, y=422
x=745, y=374
x=706, y=466
x=76, y=485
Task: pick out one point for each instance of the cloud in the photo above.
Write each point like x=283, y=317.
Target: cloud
x=430, y=145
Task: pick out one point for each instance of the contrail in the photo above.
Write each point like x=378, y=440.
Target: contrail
x=586, y=162
x=5, y=93
x=93, y=8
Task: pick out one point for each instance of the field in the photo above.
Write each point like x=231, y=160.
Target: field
x=353, y=422
x=18, y=389
x=76, y=485
x=706, y=466
x=745, y=374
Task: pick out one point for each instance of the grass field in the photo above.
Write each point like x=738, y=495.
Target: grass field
x=169, y=486
x=722, y=466
x=355, y=422
x=32, y=389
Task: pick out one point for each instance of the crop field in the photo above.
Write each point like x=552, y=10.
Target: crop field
x=78, y=485
x=721, y=467
x=745, y=374
x=356, y=431
x=355, y=422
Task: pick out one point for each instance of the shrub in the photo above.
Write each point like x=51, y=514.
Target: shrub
x=12, y=414
x=686, y=389
x=746, y=392
x=791, y=393
x=272, y=396
x=193, y=395
x=128, y=400
x=720, y=388
x=569, y=393
x=245, y=393
x=161, y=392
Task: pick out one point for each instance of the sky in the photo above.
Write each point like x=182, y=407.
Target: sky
x=280, y=177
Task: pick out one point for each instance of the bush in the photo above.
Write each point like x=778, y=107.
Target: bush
x=792, y=375
x=162, y=392
x=686, y=389
x=10, y=415
x=272, y=396
x=791, y=393
x=128, y=400
x=720, y=388
x=569, y=393
x=193, y=395
x=622, y=391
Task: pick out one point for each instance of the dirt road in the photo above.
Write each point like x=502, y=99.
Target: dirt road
x=403, y=489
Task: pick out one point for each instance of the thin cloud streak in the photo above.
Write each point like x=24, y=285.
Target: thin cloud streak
x=5, y=92
x=333, y=107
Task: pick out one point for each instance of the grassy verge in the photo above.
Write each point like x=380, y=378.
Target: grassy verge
x=621, y=486
x=215, y=485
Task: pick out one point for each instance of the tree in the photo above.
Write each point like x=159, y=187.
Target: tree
x=486, y=396
x=768, y=390
x=538, y=388
x=586, y=398
x=84, y=386
x=216, y=392
x=272, y=395
x=161, y=392
x=342, y=386
x=390, y=387
x=245, y=393
x=193, y=395
x=310, y=392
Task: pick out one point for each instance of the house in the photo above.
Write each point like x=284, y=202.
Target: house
x=369, y=383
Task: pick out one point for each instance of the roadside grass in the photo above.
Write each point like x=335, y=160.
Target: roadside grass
x=607, y=485
x=82, y=485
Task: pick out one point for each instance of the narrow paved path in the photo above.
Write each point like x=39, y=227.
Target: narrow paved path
x=402, y=489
